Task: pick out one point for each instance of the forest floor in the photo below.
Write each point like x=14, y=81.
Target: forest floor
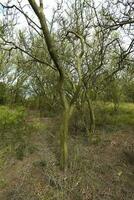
x=101, y=170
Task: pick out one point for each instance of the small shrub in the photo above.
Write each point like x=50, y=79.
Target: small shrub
x=14, y=130
x=40, y=163
x=11, y=118
x=19, y=150
x=2, y=183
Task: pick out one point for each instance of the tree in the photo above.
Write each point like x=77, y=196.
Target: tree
x=80, y=53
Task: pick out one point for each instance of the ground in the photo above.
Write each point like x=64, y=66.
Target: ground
x=101, y=170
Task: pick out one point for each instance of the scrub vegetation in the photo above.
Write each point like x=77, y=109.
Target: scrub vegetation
x=67, y=100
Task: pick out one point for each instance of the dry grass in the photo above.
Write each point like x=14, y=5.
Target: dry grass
x=99, y=171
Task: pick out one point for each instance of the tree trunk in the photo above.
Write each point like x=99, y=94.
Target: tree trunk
x=92, y=117
x=64, y=136
x=116, y=106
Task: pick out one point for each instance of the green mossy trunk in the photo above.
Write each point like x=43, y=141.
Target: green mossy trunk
x=64, y=137
x=92, y=118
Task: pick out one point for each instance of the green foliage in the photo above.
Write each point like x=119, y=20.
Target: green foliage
x=2, y=183
x=11, y=118
x=113, y=92
x=129, y=91
x=14, y=130
x=105, y=114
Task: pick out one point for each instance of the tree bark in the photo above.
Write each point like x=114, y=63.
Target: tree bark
x=92, y=117
x=67, y=113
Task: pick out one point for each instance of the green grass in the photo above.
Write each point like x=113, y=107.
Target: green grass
x=105, y=114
